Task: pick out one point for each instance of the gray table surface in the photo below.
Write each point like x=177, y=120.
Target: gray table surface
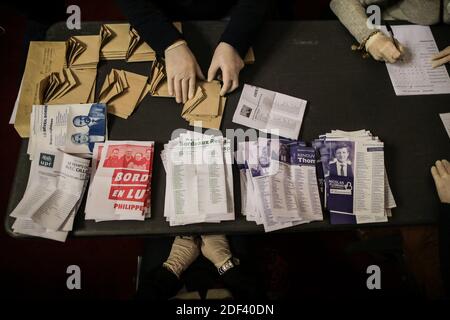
x=307, y=59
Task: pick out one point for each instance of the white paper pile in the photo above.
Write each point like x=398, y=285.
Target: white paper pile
x=356, y=187
x=199, y=179
x=72, y=128
x=55, y=187
x=278, y=183
x=120, y=186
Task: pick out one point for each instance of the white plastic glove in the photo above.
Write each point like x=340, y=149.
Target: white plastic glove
x=441, y=176
x=382, y=48
x=216, y=249
x=441, y=58
x=182, y=70
x=227, y=59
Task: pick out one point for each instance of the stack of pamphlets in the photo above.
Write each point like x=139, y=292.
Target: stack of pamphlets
x=353, y=177
x=199, y=179
x=278, y=183
x=72, y=128
x=120, y=185
x=54, y=191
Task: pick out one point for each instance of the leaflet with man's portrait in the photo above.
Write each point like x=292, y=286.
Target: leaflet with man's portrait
x=72, y=128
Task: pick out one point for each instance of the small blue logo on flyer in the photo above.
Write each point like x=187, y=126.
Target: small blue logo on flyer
x=46, y=160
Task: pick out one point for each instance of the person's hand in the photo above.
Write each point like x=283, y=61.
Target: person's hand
x=441, y=176
x=227, y=59
x=441, y=58
x=382, y=48
x=216, y=249
x=182, y=70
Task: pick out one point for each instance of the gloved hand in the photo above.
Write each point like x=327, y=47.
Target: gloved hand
x=227, y=59
x=184, y=251
x=216, y=249
x=182, y=69
x=441, y=176
x=382, y=48
x=441, y=58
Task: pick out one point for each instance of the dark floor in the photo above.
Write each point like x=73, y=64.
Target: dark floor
x=309, y=265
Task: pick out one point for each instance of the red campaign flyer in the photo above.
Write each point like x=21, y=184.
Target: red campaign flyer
x=120, y=189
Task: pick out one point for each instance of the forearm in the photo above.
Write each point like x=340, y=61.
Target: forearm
x=151, y=24
x=246, y=19
x=352, y=15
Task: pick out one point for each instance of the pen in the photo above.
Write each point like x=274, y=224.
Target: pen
x=391, y=32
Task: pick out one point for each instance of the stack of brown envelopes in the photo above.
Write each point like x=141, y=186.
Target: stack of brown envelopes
x=82, y=52
x=206, y=108
x=122, y=91
x=119, y=41
x=157, y=84
x=66, y=87
x=57, y=72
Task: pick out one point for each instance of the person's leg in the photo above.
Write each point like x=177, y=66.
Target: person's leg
x=156, y=252
x=241, y=281
x=161, y=278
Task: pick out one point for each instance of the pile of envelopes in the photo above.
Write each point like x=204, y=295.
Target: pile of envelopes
x=206, y=106
x=119, y=41
x=122, y=92
x=57, y=72
x=61, y=87
x=82, y=52
x=157, y=84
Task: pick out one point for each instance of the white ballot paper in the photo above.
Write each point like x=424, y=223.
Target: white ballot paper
x=278, y=183
x=72, y=128
x=414, y=75
x=445, y=117
x=199, y=179
x=270, y=111
x=356, y=184
x=55, y=187
x=120, y=186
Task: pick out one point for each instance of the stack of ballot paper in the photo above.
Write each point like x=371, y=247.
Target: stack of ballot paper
x=56, y=72
x=278, y=183
x=206, y=108
x=120, y=41
x=54, y=191
x=199, y=179
x=355, y=183
x=120, y=187
x=72, y=128
x=267, y=110
x=122, y=91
